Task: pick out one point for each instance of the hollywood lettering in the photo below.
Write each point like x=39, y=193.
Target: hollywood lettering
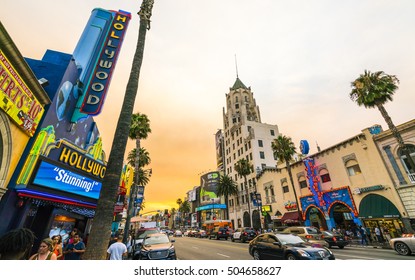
x=82, y=162
x=98, y=86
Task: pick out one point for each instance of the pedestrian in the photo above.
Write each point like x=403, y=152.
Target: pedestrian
x=16, y=244
x=368, y=234
x=74, y=251
x=363, y=236
x=57, y=246
x=379, y=236
x=117, y=250
x=45, y=251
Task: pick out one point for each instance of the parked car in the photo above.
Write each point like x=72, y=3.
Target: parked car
x=243, y=234
x=156, y=246
x=178, y=233
x=309, y=234
x=282, y=246
x=201, y=234
x=218, y=233
x=404, y=245
x=335, y=239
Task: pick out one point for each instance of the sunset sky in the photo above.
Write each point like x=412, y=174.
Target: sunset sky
x=298, y=57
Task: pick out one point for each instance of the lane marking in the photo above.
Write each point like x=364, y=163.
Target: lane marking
x=223, y=255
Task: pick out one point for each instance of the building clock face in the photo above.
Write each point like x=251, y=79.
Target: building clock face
x=304, y=147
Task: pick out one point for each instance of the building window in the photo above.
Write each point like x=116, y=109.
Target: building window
x=272, y=132
x=353, y=168
x=325, y=178
x=260, y=143
x=262, y=155
x=284, y=189
x=404, y=159
x=271, y=188
x=236, y=106
x=303, y=184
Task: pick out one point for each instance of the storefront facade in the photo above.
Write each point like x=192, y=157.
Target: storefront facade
x=57, y=181
x=22, y=106
x=328, y=183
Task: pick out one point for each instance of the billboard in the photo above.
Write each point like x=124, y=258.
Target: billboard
x=208, y=188
x=55, y=177
x=17, y=100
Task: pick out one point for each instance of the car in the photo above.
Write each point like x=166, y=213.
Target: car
x=243, y=234
x=178, y=233
x=286, y=246
x=404, y=245
x=219, y=233
x=309, y=234
x=201, y=234
x=335, y=239
x=192, y=233
x=156, y=246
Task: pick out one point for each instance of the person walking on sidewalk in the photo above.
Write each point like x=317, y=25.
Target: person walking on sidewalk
x=363, y=236
x=117, y=250
x=379, y=236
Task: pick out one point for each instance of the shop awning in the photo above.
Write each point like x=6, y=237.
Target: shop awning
x=290, y=217
x=377, y=206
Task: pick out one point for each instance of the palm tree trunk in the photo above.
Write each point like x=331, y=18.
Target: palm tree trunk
x=249, y=206
x=227, y=207
x=294, y=191
x=104, y=213
x=133, y=191
x=397, y=135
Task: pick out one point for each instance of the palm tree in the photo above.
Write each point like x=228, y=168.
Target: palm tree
x=172, y=214
x=185, y=209
x=243, y=167
x=144, y=157
x=284, y=150
x=374, y=90
x=101, y=227
x=139, y=129
x=227, y=187
x=179, y=202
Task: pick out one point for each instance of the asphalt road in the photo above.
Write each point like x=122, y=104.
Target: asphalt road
x=190, y=248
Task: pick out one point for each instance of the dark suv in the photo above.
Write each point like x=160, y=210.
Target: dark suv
x=243, y=234
x=219, y=232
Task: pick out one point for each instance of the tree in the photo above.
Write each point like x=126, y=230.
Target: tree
x=243, y=167
x=144, y=157
x=184, y=209
x=139, y=129
x=101, y=227
x=179, y=202
x=172, y=215
x=284, y=150
x=227, y=187
x=374, y=90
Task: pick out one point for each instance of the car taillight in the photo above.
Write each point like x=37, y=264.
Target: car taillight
x=309, y=236
x=245, y=233
x=334, y=238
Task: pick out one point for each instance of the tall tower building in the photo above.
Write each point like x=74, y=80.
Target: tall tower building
x=245, y=137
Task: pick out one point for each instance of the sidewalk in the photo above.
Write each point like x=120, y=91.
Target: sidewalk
x=355, y=242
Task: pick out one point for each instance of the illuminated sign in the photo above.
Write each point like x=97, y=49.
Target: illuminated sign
x=17, y=100
x=290, y=205
x=54, y=177
x=98, y=85
x=369, y=189
x=80, y=161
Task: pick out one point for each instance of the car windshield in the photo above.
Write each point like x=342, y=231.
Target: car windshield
x=156, y=239
x=145, y=233
x=313, y=230
x=289, y=239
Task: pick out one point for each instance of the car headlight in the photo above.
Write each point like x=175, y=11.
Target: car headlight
x=303, y=253
x=171, y=250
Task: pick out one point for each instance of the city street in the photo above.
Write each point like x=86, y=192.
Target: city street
x=189, y=248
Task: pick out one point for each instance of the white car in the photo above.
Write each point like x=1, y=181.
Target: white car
x=178, y=233
x=404, y=245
